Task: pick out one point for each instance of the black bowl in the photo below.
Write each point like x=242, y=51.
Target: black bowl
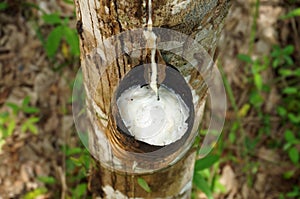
x=173, y=80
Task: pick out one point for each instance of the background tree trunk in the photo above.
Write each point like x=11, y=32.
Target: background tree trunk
x=101, y=19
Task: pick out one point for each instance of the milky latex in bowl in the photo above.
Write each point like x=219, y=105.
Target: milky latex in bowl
x=163, y=126
x=156, y=122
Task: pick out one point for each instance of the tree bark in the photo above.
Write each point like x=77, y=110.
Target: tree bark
x=99, y=20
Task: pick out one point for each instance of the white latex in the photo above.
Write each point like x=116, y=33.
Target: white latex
x=156, y=122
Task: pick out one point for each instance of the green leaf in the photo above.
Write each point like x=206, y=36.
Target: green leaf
x=11, y=127
x=69, y=1
x=73, y=40
x=80, y=190
x=53, y=41
x=293, y=13
x=276, y=52
x=85, y=159
x=244, y=110
x=288, y=50
x=245, y=58
x=288, y=145
x=258, y=81
x=256, y=99
x=294, y=155
x=33, y=129
x=52, y=18
x=2, y=142
x=289, y=136
x=219, y=187
x=289, y=61
x=288, y=174
x=15, y=108
x=257, y=67
x=76, y=161
x=3, y=5
x=297, y=72
x=281, y=111
x=24, y=127
x=26, y=101
x=30, y=110
x=35, y=193
x=276, y=63
x=233, y=132
x=29, y=125
x=293, y=118
x=281, y=196
x=285, y=72
x=4, y=117
x=73, y=151
x=294, y=193
x=2, y=132
x=250, y=143
x=144, y=184
x=232, y=137
x=47, y=179
x=206, y=162
x=33, y=120
x=201, y=184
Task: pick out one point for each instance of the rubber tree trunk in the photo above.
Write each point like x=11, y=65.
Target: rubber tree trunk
x=98, y=20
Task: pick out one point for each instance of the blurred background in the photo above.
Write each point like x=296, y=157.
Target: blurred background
x=256, y=157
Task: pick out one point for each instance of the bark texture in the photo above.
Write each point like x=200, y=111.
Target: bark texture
x=98, y=20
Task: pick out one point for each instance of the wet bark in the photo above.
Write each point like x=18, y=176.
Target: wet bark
x=98, y=20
